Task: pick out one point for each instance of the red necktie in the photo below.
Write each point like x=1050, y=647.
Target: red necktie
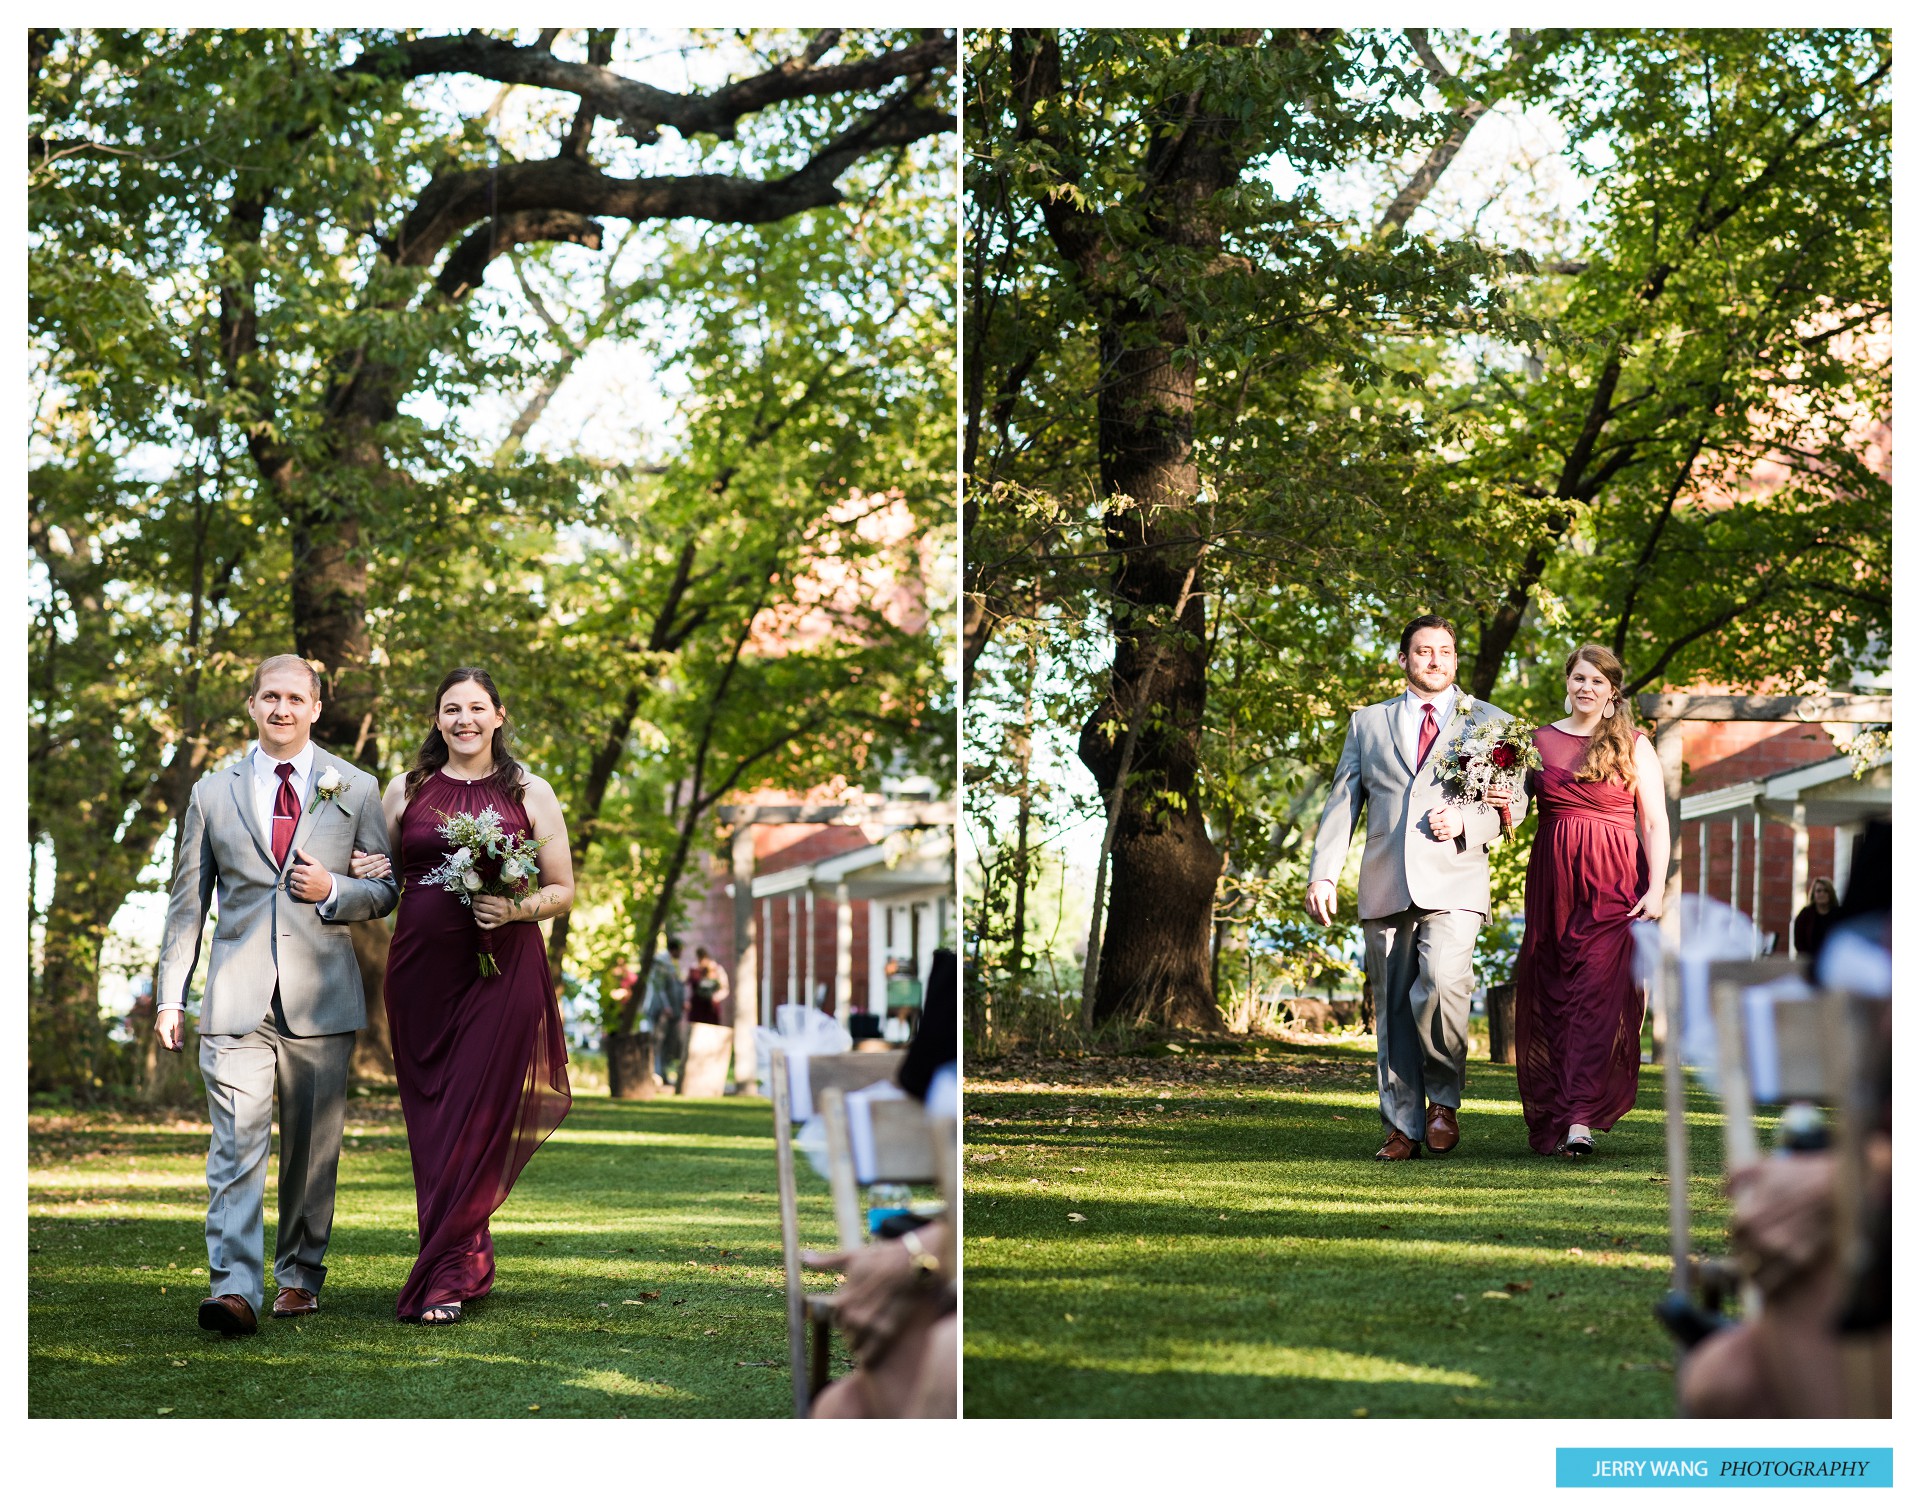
x=1429, y=733
x=286, y=815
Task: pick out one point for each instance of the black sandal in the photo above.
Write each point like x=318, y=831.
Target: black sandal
x=441, y=1315
x=1575, y=1146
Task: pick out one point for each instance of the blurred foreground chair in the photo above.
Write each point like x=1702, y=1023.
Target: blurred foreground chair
x=1778, y=1040
x=797, y=1085
x=905, y=1146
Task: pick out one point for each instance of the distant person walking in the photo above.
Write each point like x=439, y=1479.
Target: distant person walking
x=706, y=989
x=666, y=1001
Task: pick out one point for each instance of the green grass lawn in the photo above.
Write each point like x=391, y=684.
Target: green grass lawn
x=1205, y=1233
x=639, y=1275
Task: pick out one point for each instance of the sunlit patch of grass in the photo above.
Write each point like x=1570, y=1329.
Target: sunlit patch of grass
x=639, y=1274
x=1207, y=1234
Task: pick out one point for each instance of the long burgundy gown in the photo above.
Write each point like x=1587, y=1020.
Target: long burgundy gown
x=1577, y=1009
x=482, y=1061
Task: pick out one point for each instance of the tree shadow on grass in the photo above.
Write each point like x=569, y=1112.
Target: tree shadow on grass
x=1227, y=1249
x=638, y=1274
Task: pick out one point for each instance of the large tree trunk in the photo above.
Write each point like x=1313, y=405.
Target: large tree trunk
x=1156, y=949
x=373, y=1050
x=67, y=1041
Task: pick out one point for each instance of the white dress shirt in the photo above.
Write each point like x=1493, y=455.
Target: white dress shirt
x=1411, y=717
x=266, y=788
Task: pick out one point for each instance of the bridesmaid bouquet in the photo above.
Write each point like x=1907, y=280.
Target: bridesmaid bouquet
x=1487, y=757
x=485, y=859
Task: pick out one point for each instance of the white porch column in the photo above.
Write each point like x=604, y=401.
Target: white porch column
x=1701, y=832
x=878, y=917
x=812, y=998
x=793, y=950
x=1733, y=882
x=745, y=1008
x=1800, y=845
x=766, y=959
x=1759, y=862
x=842, y=953
x=1843, y=837
x=1669, y=744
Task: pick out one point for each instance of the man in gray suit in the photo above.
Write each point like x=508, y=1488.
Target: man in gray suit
x=274, y=834
x=1423, y=885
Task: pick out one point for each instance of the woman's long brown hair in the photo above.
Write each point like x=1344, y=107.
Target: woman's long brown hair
x=1610, y=750
x=507, y=776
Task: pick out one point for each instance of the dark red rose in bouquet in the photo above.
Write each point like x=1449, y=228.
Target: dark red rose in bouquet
x=1502, y=757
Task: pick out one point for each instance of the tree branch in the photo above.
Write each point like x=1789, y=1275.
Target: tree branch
x=568, y=185
x=641, y=108
x=1428, y=173
x=467, y=266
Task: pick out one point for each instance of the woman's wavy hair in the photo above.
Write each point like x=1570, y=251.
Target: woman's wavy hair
x=507, y=776
x=1610, y=752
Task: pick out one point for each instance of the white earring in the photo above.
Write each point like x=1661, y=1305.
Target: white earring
x=1568, y=703
x=1607, y=714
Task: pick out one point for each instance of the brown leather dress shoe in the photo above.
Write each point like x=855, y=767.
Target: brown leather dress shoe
x=1443, y=1128
x=229, y=1315
x=1398, y=1146
x=291, y=1300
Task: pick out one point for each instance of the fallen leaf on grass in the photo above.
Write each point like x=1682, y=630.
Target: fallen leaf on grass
x=711, y=1332
x=179, y=1362
x=1075, y=1217
x=1519, y=1286
x=1495, y=1295
x=755, y=1363
x=533, y=1407
x=1341, y=1117
x=1656, y=1367
x=164, y=1410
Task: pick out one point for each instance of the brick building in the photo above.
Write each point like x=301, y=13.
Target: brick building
x=1768, y=806
x=846, y=916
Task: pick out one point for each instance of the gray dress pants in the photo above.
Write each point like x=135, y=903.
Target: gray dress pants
x=1420, y=962
x=241, y=1072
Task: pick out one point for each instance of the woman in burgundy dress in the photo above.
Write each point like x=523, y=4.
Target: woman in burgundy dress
x=1599, y=864
x=481, y=1060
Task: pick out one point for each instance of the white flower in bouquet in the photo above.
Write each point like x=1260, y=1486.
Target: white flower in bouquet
x=512, y=858
x=1486, y=757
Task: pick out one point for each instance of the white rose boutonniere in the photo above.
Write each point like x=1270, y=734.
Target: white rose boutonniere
x=326, y=787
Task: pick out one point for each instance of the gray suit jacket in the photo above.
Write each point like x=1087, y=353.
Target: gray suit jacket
x=1403, y=867
x=266, y=937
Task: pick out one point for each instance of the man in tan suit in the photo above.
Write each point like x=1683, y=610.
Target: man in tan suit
x=274, y=835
